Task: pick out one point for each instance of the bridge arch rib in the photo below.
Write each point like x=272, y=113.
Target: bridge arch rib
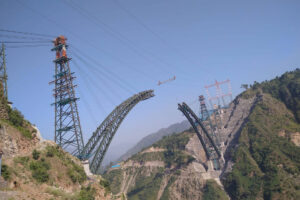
x=211, y=150
x=98, y=144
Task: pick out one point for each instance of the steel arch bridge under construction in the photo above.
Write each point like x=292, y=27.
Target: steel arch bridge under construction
x=104, y=134
x=68, y=133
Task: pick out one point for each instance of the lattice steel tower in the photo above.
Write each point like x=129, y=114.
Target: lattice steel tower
x=68, y=132
x=203, y=109
x=3, y=75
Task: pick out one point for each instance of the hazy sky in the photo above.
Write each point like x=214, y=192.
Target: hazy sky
x=136, y=43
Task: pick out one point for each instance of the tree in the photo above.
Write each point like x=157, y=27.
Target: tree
x=245, y=86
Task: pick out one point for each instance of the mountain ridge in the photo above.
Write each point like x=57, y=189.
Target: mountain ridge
x=154, y=137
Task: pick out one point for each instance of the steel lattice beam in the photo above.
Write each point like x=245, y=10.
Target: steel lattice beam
x=104, y=134
x=205, y=139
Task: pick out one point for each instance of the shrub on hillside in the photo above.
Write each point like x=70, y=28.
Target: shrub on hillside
x=213, y=191
x=40, y=170
x=22, y=160
x=35, y=154
x=76, y=173
x=15, y=117
x=104, y=183
x=87, y=193
x=5, y=172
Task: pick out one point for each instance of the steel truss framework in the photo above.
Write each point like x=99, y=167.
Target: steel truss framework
x=68, y=132
x=104, y=134
x=211, y=150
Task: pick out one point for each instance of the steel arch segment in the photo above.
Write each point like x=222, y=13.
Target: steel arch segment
x=109, y=133
x=97, y=135
x=189, y=110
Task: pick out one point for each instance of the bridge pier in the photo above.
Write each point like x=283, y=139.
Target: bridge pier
x=86, y=167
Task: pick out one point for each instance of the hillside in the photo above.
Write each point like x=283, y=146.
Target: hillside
x=154, y=137
x=260, y=143
x=266, y=154
x=36, y=169
x=166, y=170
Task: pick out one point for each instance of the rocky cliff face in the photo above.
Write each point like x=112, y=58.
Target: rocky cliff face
x=33, y=168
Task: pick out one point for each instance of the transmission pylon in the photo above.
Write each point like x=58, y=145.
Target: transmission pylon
x=3, y=75
x=68, y=132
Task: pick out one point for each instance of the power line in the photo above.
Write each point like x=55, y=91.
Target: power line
x=94, y=83
x=25, y=46
x=162, y=40
x=119, y=36
x=87, y=83
x=26, y=33
x=24, y=42
x=106, y=71
x=21, y=37
x=80, y=38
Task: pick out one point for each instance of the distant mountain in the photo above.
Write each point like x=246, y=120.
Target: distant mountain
x=154, y=137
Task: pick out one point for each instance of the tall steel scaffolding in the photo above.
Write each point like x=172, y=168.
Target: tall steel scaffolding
x=206, y=120
x=215, y=100
x=3, y=75
x=68, y=132
x=220, y=95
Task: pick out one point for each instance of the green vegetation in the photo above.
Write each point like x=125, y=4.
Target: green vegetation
x=285, y=88
x=177, y=159
x=35, y=154
x=150, y=156
x=266, y=165
x=22, y=160
x=166, y=193
x=16, y=119
x=59, y=193
x=75, y=172
x=213, y=191
x=86, y=193
x=5, y=172
x=175, y=141
x=114, y=177
x=146, y=187
x=39, y=164
x=104, y=183
x=39, y=170
x=174, y=144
